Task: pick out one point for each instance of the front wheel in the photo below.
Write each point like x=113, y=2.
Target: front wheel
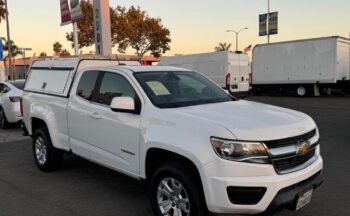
x=46, y=156
x=173, y=191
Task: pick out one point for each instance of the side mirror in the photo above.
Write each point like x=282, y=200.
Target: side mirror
x=227, y=91
x=123, y=104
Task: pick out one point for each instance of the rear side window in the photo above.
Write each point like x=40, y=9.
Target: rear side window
x=87, y=84
x=113, y=85
x=2, y=88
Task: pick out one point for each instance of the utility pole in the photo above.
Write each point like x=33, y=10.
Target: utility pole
x=9, y=41
x=268, y=21
x=75, y=34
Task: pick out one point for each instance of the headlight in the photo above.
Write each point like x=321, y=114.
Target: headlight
x=251, y=152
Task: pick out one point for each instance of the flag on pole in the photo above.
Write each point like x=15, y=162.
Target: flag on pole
x=248, y=48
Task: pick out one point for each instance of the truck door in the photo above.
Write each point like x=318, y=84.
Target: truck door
x=114, y=136
x=244, y=70
x=79, y=110
x=233, y=70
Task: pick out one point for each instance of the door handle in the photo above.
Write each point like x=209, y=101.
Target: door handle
x=95, y=115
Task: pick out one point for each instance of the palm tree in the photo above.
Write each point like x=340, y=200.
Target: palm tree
x=15, y=51
x=57, y=48
x=43, y=54
x=222, y=47
x=2, y=10
x=65, y=53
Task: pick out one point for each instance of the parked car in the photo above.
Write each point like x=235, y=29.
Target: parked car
x=10, y=93
x=198, y=148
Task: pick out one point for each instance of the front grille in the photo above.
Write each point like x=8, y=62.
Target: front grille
x=287, y=163
x=290, y=141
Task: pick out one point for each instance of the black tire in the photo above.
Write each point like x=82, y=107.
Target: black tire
x=184, y=176
x=53, y=156
x=3, y=121
x=302, y=91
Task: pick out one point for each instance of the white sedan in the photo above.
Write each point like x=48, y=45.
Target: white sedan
x=10, y=111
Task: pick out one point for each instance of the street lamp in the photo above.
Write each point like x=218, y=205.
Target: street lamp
x=24, y=59
x=237, y=33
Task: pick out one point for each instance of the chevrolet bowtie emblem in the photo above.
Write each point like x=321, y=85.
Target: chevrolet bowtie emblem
x=303, y=147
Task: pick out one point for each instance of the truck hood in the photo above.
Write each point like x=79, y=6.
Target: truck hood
x=252, y=121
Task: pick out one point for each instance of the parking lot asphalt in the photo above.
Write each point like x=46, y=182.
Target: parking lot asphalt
x=83, y=188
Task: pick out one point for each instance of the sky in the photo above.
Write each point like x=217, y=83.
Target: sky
x=196, y=26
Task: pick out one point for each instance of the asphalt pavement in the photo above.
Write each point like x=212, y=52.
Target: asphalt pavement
x=83, y=188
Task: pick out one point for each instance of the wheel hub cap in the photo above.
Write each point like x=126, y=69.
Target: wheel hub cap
x=172, y=198
x=40, y=150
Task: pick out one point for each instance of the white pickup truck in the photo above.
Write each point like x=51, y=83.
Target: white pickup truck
x=199, y=149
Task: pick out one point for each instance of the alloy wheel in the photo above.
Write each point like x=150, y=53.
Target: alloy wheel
x=40, y=150
x=173, y=198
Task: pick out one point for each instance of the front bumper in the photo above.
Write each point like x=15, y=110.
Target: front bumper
x=253, y=175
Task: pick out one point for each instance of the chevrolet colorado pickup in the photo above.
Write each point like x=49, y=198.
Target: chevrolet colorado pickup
x=199, y=149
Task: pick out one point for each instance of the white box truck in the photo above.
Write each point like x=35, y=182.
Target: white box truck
x=305, y=67
x=229, y=70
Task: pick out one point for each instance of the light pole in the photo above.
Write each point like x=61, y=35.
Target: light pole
x=24, y=59
x=237, y=34
x=268, y=20
x=8, y=40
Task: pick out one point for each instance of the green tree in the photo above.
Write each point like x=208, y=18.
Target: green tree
x=43, y=54
x=86, y=34
x=65, y=53
x=15, y=51
x=222, y=47
x=57, y=48
x=136, y=29
x=2, y=10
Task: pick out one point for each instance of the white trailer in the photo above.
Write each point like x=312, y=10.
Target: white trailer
x=228, y=69
x=303, y=66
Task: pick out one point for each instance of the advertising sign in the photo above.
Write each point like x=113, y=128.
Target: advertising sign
x=272, y=26
x=273, y=23
x=75, y=11
x=65, y=13
x=102, y=27
x=262, y=24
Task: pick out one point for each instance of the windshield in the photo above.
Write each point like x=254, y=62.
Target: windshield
x=178, y=89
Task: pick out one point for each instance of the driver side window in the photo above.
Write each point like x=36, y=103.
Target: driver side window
x=113, y=85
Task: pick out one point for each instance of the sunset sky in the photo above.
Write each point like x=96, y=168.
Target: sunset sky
x=196, y=25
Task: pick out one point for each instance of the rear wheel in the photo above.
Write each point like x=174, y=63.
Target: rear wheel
x=301, y=91
x=46, y=157
x=3, y=121
x=173, y=191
